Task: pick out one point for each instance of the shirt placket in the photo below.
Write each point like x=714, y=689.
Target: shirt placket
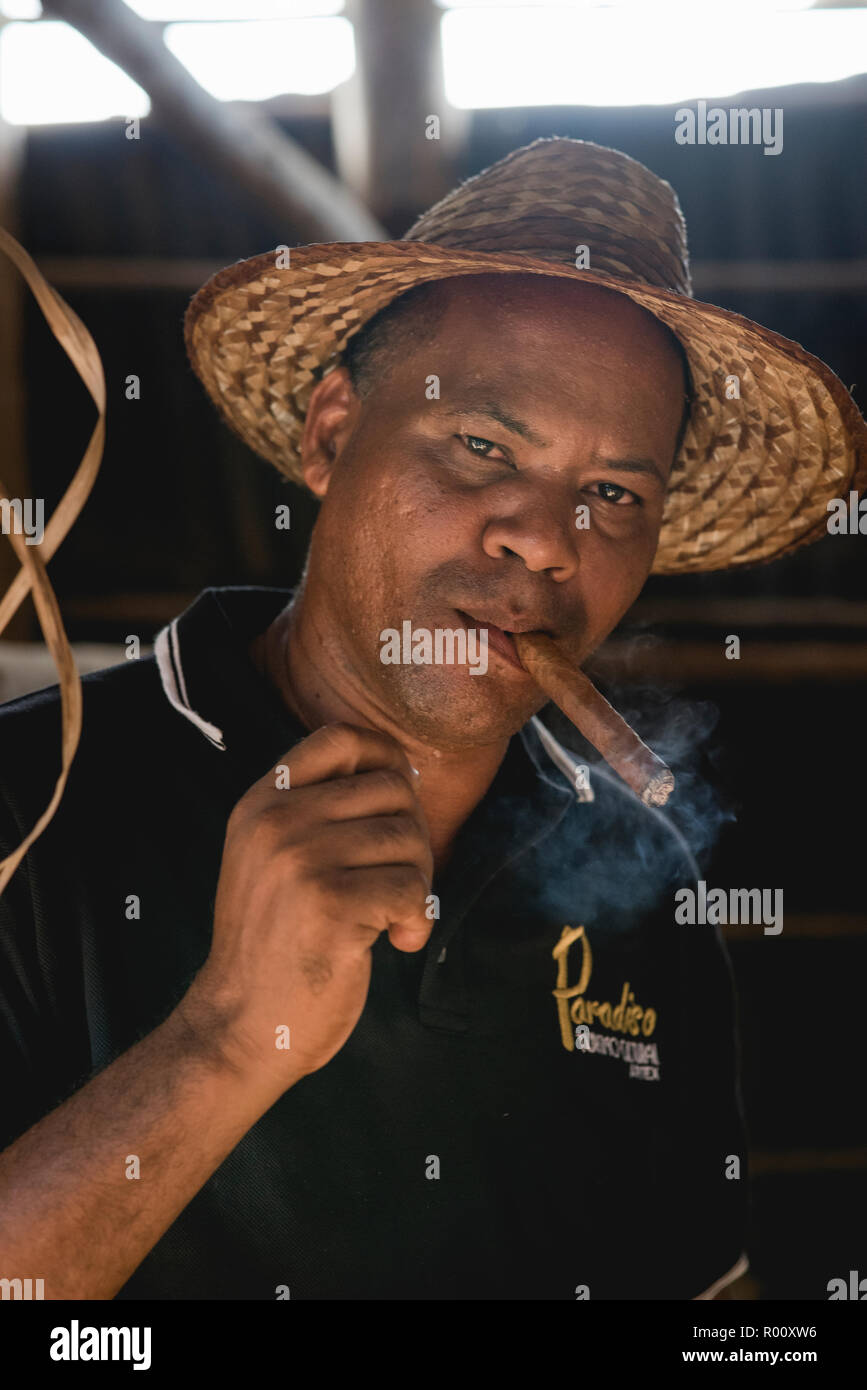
x=480, y=855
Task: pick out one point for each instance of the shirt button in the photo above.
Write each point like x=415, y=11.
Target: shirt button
x=441, y=957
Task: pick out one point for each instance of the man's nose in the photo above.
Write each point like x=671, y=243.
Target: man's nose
x=539, y=530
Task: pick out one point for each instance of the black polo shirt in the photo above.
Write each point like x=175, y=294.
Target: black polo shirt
x=461, y=1145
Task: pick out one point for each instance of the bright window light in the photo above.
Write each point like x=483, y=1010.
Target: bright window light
x=625, y=4
x=169, y=11
x=49, y=72
x=657, y=54
x=251, y=62
x=20, y=9
x=690, y=5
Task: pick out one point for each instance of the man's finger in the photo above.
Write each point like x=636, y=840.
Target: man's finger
x=381, y=792
x=341, y=750
x=394, y=900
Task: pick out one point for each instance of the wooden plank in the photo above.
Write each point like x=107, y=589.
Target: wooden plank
x=691, y=663
x=804, y=926
x=161, y=272
x=766, y=1164
x=127, y=272
x=781, y=277
x=734, y=614
x=150, y=608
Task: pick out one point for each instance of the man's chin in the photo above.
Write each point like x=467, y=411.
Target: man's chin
x=459, y=710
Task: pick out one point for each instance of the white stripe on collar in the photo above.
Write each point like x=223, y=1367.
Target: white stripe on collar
x=168, y=654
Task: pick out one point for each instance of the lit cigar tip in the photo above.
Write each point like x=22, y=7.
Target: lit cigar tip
x=658, y=789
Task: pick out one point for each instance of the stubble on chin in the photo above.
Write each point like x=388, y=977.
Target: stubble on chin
x=432, y=705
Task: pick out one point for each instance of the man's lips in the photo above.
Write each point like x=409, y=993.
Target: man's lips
x=499, y=639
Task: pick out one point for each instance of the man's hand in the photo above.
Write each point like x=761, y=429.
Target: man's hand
x=311, y=874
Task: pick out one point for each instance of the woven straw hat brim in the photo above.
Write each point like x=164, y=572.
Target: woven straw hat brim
x=752, y=479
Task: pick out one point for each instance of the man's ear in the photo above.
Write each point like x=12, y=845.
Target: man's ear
x=331, y=417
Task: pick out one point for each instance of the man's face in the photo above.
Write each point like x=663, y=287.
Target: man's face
x=553, y=396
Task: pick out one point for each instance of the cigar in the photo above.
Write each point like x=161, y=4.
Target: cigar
x=592, y=715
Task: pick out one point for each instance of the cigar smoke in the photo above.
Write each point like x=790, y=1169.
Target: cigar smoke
x=628, y=855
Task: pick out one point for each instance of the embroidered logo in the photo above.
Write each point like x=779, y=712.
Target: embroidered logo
x=575, y=1012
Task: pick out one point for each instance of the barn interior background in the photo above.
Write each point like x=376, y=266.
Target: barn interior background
x=281, y=123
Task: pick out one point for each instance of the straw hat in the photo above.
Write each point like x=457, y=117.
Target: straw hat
x=754, y=474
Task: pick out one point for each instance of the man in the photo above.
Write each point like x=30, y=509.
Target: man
x=343, y=989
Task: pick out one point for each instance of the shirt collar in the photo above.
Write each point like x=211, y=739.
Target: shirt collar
x=208, y=677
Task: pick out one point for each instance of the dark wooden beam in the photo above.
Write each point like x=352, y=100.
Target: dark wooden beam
x=824, y=277
x=380, y=115
x=237, y=140
x=807, y=1161
x=734, y=614
x=803, y=926
x=781, y=277
x=705, y=663
x=127, y=272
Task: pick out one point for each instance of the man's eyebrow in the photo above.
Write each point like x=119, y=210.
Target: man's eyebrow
x=496, y=412
x=633, y=465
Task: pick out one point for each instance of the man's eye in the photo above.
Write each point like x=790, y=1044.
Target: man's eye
x=613, y=492
x=480, y=447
